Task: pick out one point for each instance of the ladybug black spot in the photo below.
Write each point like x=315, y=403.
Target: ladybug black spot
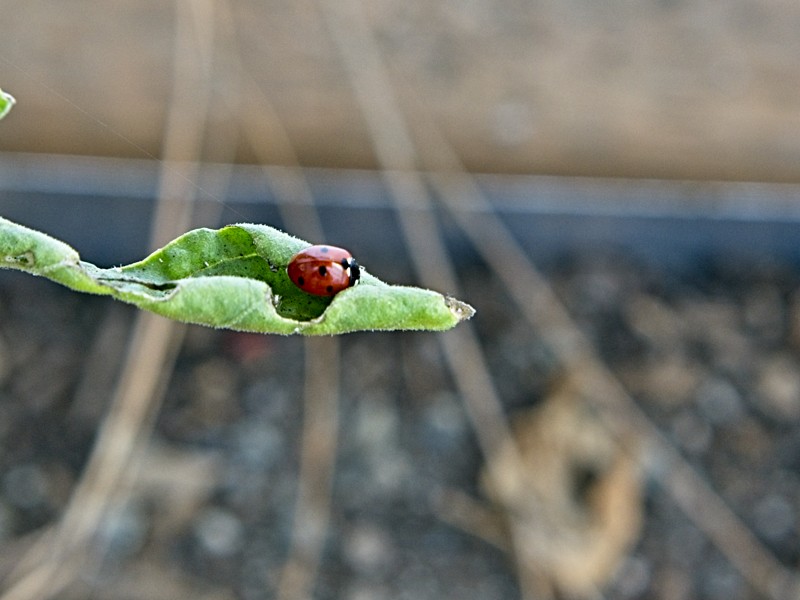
x=323, y=270
x=301, y=281
x=330, y=289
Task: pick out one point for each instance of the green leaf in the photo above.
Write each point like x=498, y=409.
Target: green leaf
x=6, y=102
x=235, y=278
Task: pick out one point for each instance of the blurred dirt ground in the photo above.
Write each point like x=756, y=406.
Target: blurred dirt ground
x=711, y=356
x=663, y=88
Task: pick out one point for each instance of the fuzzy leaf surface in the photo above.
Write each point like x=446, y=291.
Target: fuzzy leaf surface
x=233, y=278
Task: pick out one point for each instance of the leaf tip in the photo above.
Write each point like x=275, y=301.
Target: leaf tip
x=6, y=102
x=461, y=310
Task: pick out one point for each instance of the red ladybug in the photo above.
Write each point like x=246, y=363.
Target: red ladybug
x=323, y=270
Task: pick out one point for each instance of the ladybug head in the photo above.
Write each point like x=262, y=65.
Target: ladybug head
x=355, y=271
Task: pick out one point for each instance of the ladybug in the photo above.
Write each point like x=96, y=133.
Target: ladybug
x=323, y=270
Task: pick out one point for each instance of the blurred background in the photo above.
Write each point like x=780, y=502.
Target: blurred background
x=613, y=186
x=672, y=89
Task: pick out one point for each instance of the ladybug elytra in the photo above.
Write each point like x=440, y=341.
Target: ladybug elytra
x=323, y=270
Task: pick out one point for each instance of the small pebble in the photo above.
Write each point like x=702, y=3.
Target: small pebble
x=653, y=319
x=723, y=582
x=719, y=401
x=774, y=517
x=765, y=313
x=220, y=532
x=124, y=531
x=26, y=486
x=360, y=590
x=258, y=444
x=368, y=549
x=633, y=577
x=691, y=432
x=778, y=388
